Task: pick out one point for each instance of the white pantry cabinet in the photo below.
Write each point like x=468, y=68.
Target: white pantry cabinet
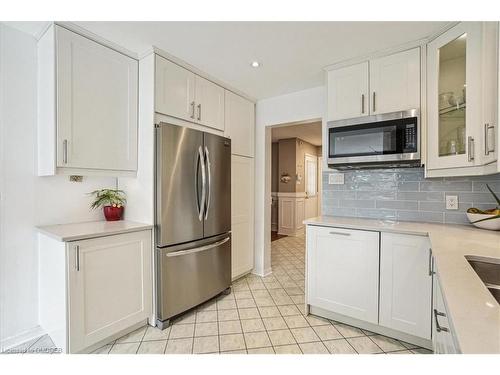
x=406, y=284
x=88, y=104
x=182, y=94
x=395, y=82
x=462, y=100
x=240, y=124
x=348, y=92
x=242, y=215
x=342, y=271
x=91, y=290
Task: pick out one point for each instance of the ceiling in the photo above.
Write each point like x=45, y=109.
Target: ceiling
x=292, y=54
x=310, y=132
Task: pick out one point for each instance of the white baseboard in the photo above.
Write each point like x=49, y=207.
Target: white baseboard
x=21, y=338
x=266, y=272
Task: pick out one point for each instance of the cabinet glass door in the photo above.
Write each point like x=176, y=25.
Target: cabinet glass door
x=452, y=97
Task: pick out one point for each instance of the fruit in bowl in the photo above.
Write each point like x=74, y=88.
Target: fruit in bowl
x=487, y=219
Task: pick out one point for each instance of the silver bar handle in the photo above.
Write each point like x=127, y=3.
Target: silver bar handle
x=430, y=263
x=209, y=175
x=198, y=249
x=65, y=151
x=487, y=128
x=438, y=327
x=341, y=233
x=374, y=101
x=199, y=112
x=192, y=109
x=201, y=161
x=470, y=144
x=362, y=103
x=77, y=257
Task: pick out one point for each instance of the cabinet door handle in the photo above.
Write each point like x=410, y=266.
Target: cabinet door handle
x=65, y=151
x=192, y=110
x=438, y=327
x=77, y=257
x=470, y=143
x=431, y=272
x=341, y=233
x=374, y=101
x=362, y=103
x=199, y=112
x=487, y=128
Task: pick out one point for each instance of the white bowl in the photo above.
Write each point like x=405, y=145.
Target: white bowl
x=486, y=224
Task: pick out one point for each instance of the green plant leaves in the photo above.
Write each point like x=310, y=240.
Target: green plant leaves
x=107, y=197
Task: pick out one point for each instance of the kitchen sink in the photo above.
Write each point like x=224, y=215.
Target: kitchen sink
x=488, y=270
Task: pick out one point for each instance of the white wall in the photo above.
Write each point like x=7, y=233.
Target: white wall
x=295, y=107
x=27, y=200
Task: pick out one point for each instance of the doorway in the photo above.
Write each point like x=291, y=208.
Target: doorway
x=295, y=176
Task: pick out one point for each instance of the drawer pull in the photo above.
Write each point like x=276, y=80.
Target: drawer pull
x=341, y=233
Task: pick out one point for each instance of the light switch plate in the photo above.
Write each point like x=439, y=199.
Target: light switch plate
x=452, y=202
x=336, y=179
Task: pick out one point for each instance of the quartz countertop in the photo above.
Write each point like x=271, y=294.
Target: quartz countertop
x=92, y=229
x=473, y=312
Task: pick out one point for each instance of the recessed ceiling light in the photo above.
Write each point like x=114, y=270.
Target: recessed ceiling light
x=255, y=64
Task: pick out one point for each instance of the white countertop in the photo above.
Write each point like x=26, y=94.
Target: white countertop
x=473, y=312
x=92, y=229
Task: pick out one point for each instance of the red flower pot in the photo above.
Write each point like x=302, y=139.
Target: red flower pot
x=113, y=213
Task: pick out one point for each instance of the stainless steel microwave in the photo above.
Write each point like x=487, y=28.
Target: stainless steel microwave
x=386, y=140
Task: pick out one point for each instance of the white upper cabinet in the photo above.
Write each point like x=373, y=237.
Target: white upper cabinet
x=182, y=94
x=395, y=82
x=462, y=100
x=209, y=99
x=406, y=284
x=240, y=124
x=174, y=90
x=94, y=94
x=348, y=92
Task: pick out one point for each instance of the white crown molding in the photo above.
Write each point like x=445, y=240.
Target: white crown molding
x=199, y=72
x=389, y=51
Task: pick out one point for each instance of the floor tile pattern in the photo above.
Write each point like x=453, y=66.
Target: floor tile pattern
x=262, y=315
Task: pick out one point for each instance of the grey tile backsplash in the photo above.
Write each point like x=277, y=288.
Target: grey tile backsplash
x=404, y=194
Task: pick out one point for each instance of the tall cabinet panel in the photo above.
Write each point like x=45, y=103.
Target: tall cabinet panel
x=395, y=82
x=348, y=92
x=242, y=214
x=240, y=124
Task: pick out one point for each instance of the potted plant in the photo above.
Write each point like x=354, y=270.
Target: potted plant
x=487, y=219
x=111, y=200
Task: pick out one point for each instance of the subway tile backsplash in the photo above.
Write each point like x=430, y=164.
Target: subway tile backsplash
x=404, y=194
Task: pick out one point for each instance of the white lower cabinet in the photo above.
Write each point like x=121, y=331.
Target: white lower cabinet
x=242, y=215
x=405, y=284
x=442, y=337
x=104, y=290
x=377, y=281
x=342, y=271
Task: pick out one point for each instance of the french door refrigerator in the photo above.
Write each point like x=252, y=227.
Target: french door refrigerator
x=193, y=218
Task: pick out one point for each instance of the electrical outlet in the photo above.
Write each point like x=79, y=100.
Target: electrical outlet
x=452, y=202
x=336, y=179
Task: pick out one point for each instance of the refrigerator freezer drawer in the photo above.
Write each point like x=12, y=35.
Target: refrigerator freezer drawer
x=191, y=276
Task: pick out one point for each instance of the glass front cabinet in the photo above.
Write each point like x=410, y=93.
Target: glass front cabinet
x=462, y=100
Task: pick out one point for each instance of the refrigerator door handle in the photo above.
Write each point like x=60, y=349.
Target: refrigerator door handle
x=198, y=249
x=209, y=175
x=201, y=205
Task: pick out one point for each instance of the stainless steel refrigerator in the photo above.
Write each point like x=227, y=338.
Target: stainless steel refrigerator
x=193, y=218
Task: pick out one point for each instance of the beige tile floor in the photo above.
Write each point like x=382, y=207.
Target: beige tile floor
x=262, y=315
